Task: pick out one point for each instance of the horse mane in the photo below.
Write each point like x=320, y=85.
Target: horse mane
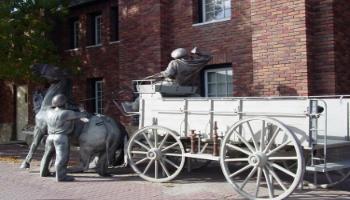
x=61, y=87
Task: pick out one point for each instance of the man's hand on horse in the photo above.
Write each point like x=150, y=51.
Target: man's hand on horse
x=84, y=119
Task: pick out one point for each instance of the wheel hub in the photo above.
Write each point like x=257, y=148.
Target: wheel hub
x=258, y=159
x=154, y=154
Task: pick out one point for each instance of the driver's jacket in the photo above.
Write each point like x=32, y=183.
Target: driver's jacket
x=60, y=121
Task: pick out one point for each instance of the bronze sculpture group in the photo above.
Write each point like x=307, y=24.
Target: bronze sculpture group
x=98, y=135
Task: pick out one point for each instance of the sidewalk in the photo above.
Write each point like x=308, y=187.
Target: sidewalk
x=204, y=184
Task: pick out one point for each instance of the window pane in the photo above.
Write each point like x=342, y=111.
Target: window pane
x=221, y=89
x=229, y=76
x=227, y=4
x=210, y=16
x=221, y=76
x=229, y=89
x=211, y=89
x=211, y=77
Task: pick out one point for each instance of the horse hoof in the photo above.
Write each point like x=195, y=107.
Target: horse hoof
x=104, y=174
x=25, y=165
x=66, y=179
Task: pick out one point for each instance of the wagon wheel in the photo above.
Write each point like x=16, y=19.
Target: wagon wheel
x=156, y=154
x=251, y=153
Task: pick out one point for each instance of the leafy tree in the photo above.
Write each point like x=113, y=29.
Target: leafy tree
x=26, y=36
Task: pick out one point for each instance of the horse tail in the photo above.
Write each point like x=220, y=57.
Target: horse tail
x=122, y=158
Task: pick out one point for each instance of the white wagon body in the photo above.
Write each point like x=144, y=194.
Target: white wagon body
x=261, y=139
x=200, y=113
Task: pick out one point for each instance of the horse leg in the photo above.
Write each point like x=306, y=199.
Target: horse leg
x=102, y=165
x=85, y=157
x=38, y=136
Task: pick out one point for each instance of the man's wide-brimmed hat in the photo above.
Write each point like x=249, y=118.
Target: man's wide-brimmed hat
x=179, y=53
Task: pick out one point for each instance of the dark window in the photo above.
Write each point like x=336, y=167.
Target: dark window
x=74, y=33
x=96, y=95
x=114, y=24
x=95, y=28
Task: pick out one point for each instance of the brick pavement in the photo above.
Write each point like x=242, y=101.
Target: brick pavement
x=205, y=184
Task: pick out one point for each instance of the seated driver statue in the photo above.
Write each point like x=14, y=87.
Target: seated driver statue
x=59, y=124
x=180, y=71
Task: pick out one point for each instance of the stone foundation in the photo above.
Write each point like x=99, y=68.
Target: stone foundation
x=5, y=132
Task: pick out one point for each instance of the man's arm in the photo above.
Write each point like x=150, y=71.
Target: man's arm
x=202, y=58
x=170, y=71
x=72, y=115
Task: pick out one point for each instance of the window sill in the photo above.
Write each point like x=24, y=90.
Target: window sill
x=94, y=46
x=73, y=50
x=211, y=22
x=115, y=42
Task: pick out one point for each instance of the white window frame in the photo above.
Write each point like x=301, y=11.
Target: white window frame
x=98, y=96
x=76, y=34
x=98, y=29
x=226, y=69
x=213, y=20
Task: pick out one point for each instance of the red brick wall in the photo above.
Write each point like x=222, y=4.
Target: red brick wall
x=97, y=62
x=279, y=47
x=342, y=46
x=321, y=47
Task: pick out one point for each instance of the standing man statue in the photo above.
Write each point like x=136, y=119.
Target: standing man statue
x=60, y=83
x=59, y=126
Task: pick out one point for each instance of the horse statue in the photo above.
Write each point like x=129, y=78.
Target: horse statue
x=101, y=136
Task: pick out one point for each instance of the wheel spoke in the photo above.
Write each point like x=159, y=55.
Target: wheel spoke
x=283, y=158
x=282, y=169
x=262, y=136
x=328, y=178
x=240, y=171
x=169, y=147
x=236, y=159
x=164, y=168
x=268, y=182
x=163, y=141
x=278, y=148
x=171, y=163
x=238, y=149
x=141, y=161
x=139, y=152
x=147, y=167
x=253, y=138
x=147, y=139
x=156, y=169
x=155, y=133
x=341, y=173
x=245, y=142
x=275, y=176
x=142, y=145
x=271, y=140
x=258, y=179
x=173, y=154
x=248, y=177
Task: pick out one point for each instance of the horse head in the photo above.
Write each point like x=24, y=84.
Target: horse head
x=49, y=72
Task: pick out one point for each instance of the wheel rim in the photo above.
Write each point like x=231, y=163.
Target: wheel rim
x=156, y=154
x=251, y=153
